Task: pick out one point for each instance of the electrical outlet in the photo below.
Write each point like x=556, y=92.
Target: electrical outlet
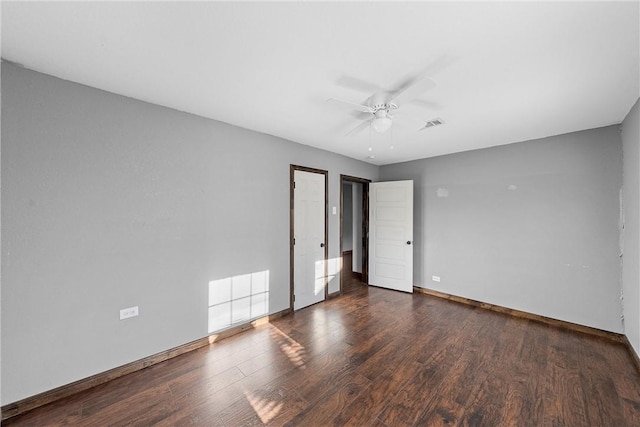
x=125, y=313
x=435, y=278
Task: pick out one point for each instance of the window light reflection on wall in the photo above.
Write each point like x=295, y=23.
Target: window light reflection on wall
x=238, y=299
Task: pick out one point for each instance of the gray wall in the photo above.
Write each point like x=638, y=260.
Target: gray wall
x=631, y=234
x=108, y=202
x=532, y=226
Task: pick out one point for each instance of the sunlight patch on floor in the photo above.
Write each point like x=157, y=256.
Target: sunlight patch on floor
x=290, y=347
x=266, y=409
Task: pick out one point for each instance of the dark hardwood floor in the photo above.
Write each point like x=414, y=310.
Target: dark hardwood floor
x=349, y=279
x=374, y=357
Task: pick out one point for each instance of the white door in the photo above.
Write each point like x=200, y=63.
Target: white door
x=308, y=233
x=391, y=235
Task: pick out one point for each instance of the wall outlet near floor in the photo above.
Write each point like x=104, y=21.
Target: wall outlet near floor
x=125, y=313
x=435, y=278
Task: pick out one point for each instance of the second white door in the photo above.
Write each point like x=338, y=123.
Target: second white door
x=391, y=235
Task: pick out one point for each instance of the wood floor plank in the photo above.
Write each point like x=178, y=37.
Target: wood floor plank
x=520, y=401
x=602, y=402
x=387, y=355
x=65, y=412
x=506, y=376
x=406, y=406
x=333, y=399
x=266, y=405
x=448, y=403
x=144, y=408
x=563, y=393
x=524, y=398
x=374, y=357
x=363, y=411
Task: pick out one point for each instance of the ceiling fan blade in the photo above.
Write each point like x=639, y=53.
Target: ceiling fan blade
x=360, y=127
x=426, y=104
x=442, y=62
x=414, y=86
x=354, y=105
x=360, y=115
x=411, y=89
x=357, y=84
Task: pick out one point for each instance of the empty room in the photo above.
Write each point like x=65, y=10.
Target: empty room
x=320, y=213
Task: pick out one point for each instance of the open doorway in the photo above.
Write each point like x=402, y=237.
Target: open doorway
x=354, y=230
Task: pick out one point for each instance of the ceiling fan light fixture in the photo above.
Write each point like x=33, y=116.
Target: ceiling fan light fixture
x=381, y=124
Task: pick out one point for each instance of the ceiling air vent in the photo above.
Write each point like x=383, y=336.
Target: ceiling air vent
x=434, y=122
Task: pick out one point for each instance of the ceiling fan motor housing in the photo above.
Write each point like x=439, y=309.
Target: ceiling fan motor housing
x=384, y=107
x=380, y=114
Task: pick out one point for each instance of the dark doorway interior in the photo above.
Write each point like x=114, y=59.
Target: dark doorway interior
x=353, y=232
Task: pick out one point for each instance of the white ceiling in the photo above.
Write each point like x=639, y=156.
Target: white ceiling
x=505, y=72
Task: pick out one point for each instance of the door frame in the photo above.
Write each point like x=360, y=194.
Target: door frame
x=365, y=224
x=292, y=169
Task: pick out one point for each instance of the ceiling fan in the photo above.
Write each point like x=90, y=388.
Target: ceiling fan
x=377, y=112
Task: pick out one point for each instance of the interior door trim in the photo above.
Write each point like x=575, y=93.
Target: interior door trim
x=292, y=169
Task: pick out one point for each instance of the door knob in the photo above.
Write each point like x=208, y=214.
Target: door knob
x=408, y=242
x=322, y=245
